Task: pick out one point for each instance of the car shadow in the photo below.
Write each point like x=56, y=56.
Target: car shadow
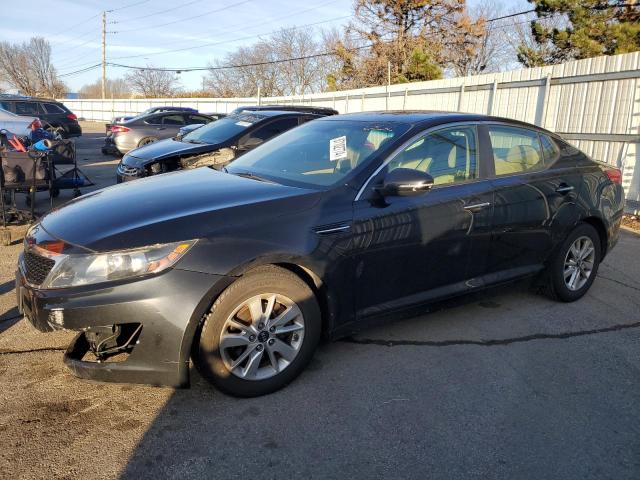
x=331, y=419
x=9, y=319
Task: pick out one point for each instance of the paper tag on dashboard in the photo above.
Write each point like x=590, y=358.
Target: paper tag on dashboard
x=338, y=148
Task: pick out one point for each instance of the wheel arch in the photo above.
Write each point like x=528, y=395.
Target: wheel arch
x=308, y=275
x=599, y=226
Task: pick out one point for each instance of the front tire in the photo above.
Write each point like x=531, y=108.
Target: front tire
x=575, y=265
x=260, y=334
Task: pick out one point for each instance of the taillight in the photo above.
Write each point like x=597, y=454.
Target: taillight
x=614, y=174
x=72, y=116
x=119, y=129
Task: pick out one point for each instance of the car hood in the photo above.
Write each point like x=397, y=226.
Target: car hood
x=166, y=149
x=177, y=206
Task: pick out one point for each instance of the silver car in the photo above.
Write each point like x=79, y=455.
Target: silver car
x=150, y=128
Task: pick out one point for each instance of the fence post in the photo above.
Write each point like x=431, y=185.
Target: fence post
x=259, y=99
x=494, y=91
x=346, y=103
x=460, y=95
x=545, y=97
x=404, y=99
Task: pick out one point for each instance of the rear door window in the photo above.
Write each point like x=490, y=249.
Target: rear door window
x=27, y=108
x=515, y=150
x=5, y=106
x=173, y=120
x=197, y=119
x=155, y=120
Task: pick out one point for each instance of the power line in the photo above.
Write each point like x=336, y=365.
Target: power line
x=226, y=67
x=229, y=28
x=135, y=4
x=159, y=13
x=226, y=41
x=233, y=5
x=222, y=42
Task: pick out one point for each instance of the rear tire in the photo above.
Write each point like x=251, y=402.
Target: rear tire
x=260, y=334
x=574, y=267
x=146, y=141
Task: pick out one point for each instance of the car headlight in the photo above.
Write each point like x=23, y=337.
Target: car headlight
x=85, y=269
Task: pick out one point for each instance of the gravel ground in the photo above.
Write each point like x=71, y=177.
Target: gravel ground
x=503, y=384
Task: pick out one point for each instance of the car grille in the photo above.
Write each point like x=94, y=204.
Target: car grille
x=37, y=267
x=127, y=170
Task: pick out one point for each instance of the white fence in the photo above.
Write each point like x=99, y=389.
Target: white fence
x=593, y=103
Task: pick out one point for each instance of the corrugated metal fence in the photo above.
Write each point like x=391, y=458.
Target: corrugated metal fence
x=593, y=103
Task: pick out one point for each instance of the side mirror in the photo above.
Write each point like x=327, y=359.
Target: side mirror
x=249, y=143
x=405, y=182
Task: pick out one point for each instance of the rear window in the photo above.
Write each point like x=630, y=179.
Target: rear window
x=53, y=108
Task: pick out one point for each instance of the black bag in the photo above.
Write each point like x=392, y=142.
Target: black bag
x=63, y=153
x=18, y=169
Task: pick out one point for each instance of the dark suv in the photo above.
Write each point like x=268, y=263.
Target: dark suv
x=54, y=116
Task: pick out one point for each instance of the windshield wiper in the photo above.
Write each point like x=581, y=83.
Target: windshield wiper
x=250, y=175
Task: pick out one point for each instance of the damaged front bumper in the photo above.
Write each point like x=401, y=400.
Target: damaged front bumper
x=131, y=332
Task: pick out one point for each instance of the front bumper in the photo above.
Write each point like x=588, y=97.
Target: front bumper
x=169, y=307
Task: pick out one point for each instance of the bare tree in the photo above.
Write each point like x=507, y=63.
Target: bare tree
x=150, y=83
x=115, y=88
x=283, y=64
x=27, y=67
x=491, y=52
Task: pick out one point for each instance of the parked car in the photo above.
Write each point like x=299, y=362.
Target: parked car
x=16, y=124
x=55, y=117
x=140, y=131
x=289, y=108
x=323, y=228
x=216, y=144
x=148, y=111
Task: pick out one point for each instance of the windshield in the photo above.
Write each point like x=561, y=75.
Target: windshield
x=223, y=129
x=318, y=154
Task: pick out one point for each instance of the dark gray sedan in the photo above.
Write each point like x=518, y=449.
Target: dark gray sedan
x=150, y=128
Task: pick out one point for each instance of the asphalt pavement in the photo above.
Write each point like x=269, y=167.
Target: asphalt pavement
x=506, y=384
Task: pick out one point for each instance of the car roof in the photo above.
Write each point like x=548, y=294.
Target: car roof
x=425, y=118
x=290, y=108
x=273, y=113
x=23, y=98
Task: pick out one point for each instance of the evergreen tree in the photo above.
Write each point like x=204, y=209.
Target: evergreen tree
x=591, y=28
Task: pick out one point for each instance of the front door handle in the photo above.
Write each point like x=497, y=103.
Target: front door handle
x=564, y=188
x=477, y=206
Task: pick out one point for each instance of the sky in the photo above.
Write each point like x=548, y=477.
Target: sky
x=163, y=33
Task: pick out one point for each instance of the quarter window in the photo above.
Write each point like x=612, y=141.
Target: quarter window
x=448, y=155
x=515, y=150
x=550, y=150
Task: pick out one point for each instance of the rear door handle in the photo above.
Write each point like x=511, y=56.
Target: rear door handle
x=564, y=188
x=477, y=206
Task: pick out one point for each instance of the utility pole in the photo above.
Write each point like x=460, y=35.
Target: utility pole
x=104, y=55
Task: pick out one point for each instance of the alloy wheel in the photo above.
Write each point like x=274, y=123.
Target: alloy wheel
x=262, y=336
x=579, y=263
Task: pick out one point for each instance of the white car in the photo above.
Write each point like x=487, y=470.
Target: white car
x=16, y=124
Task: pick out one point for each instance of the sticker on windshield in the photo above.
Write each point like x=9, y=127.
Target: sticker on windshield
x=338, y=148
x=242, y=123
